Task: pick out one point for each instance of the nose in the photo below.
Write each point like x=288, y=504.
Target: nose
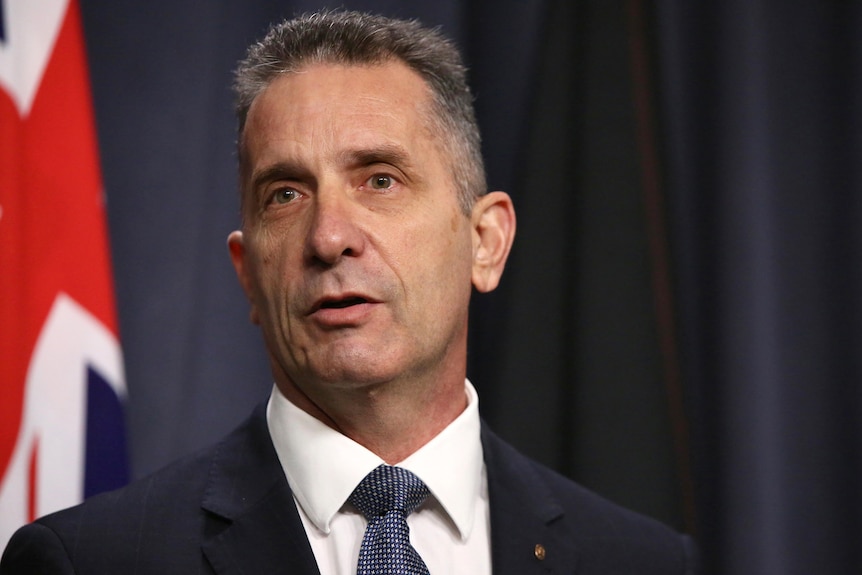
x=334, y=232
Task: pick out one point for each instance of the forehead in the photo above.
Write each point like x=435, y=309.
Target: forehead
x=324, y=107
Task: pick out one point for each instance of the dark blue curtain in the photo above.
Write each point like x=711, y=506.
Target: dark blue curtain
x=762, y=105
x=679, y=325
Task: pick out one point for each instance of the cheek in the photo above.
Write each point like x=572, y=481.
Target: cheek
x=266, y=255
x=272, y=246
x=445, y=262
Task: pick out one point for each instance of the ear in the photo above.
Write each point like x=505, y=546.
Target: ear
x=493, y=223
x=236, y=247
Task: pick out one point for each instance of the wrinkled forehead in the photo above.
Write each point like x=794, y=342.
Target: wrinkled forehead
x=329, y=93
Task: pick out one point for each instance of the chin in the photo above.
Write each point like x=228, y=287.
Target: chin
x=357, y=377
x=358, y=367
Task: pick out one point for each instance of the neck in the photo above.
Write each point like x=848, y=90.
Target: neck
x=393, y=419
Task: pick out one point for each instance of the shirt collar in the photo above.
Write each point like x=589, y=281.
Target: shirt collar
x=323, y=466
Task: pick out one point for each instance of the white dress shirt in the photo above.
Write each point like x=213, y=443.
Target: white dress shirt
x=451, y=530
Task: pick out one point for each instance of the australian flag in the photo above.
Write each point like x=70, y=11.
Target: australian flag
x=62, y=387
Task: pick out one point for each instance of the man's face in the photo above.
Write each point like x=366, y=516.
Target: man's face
x=355, y=254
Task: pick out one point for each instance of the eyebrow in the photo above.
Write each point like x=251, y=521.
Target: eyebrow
x=382, y=154
x=278, y=171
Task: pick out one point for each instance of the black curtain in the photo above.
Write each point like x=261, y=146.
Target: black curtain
x=678, y=327
x=764, y=141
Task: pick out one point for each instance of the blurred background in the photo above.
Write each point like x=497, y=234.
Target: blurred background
x=679, y=325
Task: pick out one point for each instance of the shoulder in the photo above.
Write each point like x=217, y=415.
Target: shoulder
x=124, y=521
x=602, y=534
x=35, y=549
x=109, y=531
x=157, y=517
x=167, y=494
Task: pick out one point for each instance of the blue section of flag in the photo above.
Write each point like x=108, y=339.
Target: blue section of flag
x=106, y=462
x=2, y=22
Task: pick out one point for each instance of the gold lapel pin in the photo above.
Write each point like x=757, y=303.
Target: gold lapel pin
x=539, y=552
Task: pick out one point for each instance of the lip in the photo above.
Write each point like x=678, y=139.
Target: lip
x=342, y=310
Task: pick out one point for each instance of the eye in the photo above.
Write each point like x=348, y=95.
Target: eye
x=284, y=195
x=381, y=182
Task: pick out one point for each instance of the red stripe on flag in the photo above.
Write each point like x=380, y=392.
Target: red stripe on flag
x=32, y=475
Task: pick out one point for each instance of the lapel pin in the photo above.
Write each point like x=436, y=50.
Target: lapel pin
x=539, y=552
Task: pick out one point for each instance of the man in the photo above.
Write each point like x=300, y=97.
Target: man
x=365, y=227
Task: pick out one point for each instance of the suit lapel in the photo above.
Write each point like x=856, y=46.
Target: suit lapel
x=255, y=526
x=527, y=528
x=256, y=529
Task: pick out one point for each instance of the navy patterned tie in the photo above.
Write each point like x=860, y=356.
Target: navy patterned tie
x=386, y=497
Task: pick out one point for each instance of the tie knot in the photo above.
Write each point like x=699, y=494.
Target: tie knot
x=388, y=488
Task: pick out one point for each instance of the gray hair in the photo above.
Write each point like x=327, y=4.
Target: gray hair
x=354, y=38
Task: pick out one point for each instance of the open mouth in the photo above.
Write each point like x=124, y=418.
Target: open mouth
x=342, y=303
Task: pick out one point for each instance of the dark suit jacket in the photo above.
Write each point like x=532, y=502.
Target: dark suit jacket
x=229, y=510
